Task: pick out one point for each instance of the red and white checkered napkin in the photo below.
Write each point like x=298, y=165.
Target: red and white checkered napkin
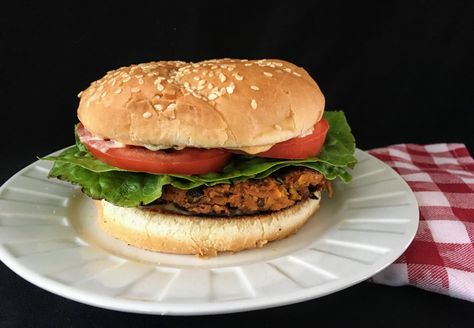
x=441, y=257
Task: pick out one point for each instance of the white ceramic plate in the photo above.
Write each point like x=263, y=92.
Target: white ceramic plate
x=50, y=237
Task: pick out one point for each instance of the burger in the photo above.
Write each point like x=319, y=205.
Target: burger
x=207, y=157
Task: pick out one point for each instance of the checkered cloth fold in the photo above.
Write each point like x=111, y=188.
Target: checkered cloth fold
x=441, y=257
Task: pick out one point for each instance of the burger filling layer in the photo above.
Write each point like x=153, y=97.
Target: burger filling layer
x=252, y=196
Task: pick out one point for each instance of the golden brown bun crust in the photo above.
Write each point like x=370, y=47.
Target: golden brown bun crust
x=226, y=103
x=181, y=234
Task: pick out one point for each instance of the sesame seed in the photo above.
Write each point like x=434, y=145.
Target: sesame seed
x=158, y=107
x=248, y=64
x=253, y=104
x=186, y=84
x=297, y=74
x=278, y=64
x=201, y=86
x=212, y=96
x=171, y=106
x=79, y=94
x=223, y=91
x=140, y=81
x=160, y=87
x=117, y=91
x=211, y=74
x=222, y=77
x=201, y=82
x=195, y=70
x=135, y=89
x=254, y=87
x=210, y=86
x=197, y=78
x=287, y=69
x=238, y=77
x=139, y=76
x=277, y=127
x=230, y=88
x=197, y=95
x=267, y=74
x=230, y=68
x=126, y=79
x=147, y=115
x=244, y=60
x=214, y=67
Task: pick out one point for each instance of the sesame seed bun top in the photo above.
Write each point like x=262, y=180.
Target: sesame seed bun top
x=227, y=103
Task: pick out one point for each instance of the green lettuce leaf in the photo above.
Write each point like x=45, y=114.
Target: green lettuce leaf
x=126, y=188
x=339, y=145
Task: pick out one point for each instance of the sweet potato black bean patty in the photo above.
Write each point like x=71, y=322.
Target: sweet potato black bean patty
x=273, y=193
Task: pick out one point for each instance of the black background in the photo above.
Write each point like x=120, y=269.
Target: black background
x=401, y=71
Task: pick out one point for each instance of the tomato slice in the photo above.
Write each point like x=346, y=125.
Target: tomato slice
x=140, y=159
x=299, y=148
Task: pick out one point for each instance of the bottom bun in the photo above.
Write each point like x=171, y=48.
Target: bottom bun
x=203, y=236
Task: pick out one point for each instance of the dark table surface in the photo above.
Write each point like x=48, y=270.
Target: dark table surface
x=402, y=73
